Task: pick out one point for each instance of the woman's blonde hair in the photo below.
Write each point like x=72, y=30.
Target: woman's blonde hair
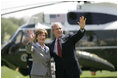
x=41, y=31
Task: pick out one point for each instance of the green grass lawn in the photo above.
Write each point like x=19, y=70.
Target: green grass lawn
x=99, y=74
x=9, y=73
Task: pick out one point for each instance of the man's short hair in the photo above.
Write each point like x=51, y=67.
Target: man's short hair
x=56, y=23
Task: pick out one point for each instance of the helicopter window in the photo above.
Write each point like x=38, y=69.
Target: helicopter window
x=18, y=38
x=92, y=38
x=92, y=18
x=25, y=37
x=57, y=18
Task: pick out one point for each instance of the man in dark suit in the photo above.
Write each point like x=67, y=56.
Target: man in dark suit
x=62, y=49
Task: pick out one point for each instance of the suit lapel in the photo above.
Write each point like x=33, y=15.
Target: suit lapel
x=52, y=48
x=53, y=44
x=41, y=51
x=63, y=39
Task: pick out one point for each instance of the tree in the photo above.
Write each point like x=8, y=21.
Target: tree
x=19, y=22
x=8, y=28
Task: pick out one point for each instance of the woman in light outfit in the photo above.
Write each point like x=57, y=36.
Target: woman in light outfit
x=41, y=67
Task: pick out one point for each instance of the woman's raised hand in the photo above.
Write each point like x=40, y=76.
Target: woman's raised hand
x=31, y=35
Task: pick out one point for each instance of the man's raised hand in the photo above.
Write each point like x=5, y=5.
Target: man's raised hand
x=82, y=22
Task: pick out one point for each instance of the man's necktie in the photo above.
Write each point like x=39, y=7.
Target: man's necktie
x=59, y=49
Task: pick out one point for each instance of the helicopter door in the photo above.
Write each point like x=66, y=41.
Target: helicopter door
x=17, y=43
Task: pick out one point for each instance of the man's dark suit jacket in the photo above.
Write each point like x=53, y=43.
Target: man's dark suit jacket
x=67, y=66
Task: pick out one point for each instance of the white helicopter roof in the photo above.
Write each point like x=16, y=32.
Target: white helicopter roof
x=39, y=25
x=101, y=7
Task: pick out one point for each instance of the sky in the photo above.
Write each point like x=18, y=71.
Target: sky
x=11, y=5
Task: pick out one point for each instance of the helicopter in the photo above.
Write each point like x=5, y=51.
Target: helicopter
x=101, y=25
x=97, y=50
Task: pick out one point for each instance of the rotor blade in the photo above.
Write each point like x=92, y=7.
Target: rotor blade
x=43, y=5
